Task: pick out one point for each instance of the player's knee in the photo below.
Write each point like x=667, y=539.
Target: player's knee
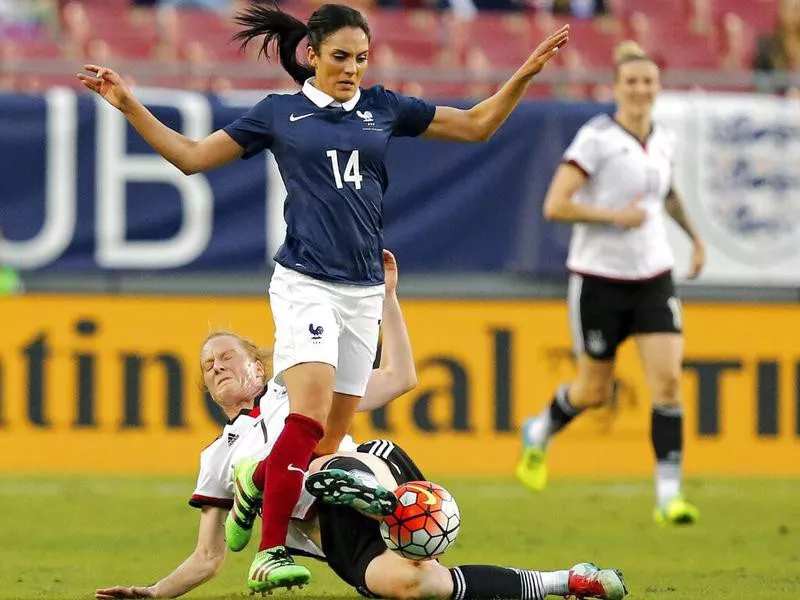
x=409, y=584
x=667, y=389
x=417, y=580
x=310, y=391
x=593, y=394
x=401, y=582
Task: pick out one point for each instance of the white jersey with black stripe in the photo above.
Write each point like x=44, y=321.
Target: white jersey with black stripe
x=252, y=434
x=621, y=169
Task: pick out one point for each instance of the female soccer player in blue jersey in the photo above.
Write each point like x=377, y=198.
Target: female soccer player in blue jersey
x=326, y=292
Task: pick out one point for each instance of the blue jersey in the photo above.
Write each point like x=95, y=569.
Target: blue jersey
x=331, y=158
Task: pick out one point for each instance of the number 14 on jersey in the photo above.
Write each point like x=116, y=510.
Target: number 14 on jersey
x=352, y=171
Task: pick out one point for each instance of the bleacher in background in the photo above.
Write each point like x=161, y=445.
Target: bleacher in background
x=423, y=51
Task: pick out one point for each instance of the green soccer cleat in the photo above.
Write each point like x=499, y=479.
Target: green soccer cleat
x=275, y=568
x=676, y=512
x=587, y=581
x=356, y=489
x=532, y=467
x=246, y=504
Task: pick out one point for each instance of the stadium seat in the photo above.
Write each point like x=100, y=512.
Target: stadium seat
x=758, y=14
x=679, y=34
x=595, y=46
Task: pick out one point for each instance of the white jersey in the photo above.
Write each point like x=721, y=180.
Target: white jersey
x=252, y=434
x=621, y=169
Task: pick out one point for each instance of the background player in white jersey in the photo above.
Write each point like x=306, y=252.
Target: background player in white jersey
x=614, y=184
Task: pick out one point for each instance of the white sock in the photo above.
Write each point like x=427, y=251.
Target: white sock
x=668, y=481
x=538, y=432
x=555, y=583
x=541, y=428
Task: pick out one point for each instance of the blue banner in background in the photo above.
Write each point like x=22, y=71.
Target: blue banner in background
x=81, y=192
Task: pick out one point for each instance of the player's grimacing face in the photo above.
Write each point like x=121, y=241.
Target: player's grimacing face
x=229, y=373
x=638, y=83
x=341, y=62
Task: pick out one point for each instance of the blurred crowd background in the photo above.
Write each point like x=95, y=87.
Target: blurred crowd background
x=433, y=48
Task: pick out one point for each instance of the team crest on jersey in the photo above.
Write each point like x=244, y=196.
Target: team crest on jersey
x=369, y=121
x=595, y=342
x=316, y=332
x=232, y=437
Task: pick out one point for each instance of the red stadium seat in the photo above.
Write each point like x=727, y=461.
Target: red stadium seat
x=758, y=14
x=679, y=34
x=595, y=46
x=506, y=39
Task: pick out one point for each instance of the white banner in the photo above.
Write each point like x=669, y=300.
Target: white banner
x=738, y=171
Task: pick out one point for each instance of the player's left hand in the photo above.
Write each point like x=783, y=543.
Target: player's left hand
x=390, y=272
x=698, y=259
x=120, y=591
x=545, y=51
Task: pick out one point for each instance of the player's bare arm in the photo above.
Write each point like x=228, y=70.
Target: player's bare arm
x=190, y=156
x=479, y=123
x=396, y=374
x=675, y=209
x=201, y=565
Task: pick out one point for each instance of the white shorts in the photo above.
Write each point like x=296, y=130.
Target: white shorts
x=320, y=321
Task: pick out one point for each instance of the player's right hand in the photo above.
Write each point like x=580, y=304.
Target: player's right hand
x=108, y=84
x=632, y=215
x=545, y=51
x=124, y=592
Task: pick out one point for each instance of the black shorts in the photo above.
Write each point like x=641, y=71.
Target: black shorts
x=604, y=312
x=350, y=540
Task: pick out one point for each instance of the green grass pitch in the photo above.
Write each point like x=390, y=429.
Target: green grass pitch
x=62, y=537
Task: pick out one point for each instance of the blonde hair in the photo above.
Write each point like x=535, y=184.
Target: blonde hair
x=254, y=351
x=627, y=52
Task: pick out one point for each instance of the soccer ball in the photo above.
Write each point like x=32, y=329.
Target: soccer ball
x=425, y=522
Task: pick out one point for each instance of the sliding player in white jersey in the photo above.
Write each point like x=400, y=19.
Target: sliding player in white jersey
x=350, y=542
x=614, y=184
x=236, y=374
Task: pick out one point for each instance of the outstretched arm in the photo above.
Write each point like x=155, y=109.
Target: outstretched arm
x=396, y=374
x=190, y=156
x=478, y=123
x=201, y=565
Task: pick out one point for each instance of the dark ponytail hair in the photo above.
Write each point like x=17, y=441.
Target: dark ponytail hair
x=287, y=32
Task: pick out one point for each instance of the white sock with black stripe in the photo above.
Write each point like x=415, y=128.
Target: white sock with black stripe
x=555, y=582
x=484, y=582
